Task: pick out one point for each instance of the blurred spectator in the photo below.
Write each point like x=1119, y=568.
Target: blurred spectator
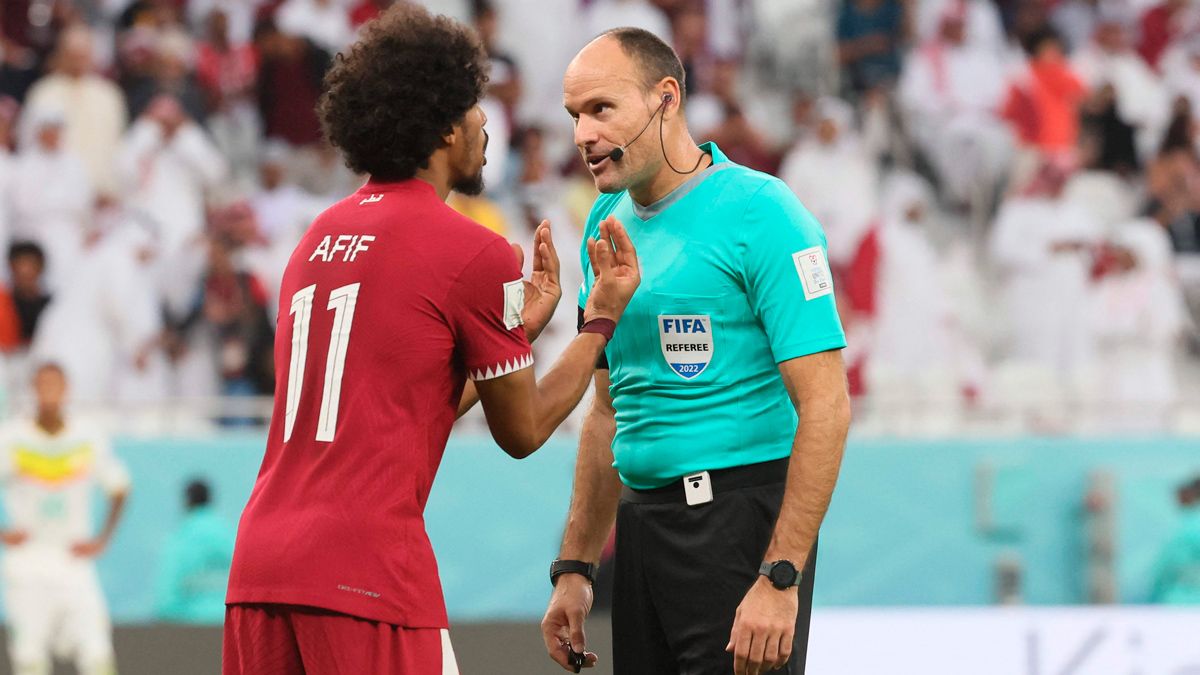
x=950, y=92
x=106, y=298
x=26, y=264
x=1138, y=317
x=1160, y=25
x=500, y=100
x=1181, y=73
x=1176, y=579
x=325, y=22
x=690, y=28
x=1044, y=101
x=93, y=106
x=194, y=568
x=238, y=17
x=18, y=66
x=1076, y=20
x=228, y=326
x=1107, y=142
x=870, y=36
x=835, y=179
x=226, y=71
x=913, y=336
x=1041, y=245
x=9, y=109
x=365, y=10
x=1173, y=181
x=1108, y=59
x=171, y=74
x=981, y=26
x=170, y=166
x=601, y=15
x=289, y=84
x=51, y=197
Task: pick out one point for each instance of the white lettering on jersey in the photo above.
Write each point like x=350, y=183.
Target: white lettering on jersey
x=371, y=199
x=813, y=268
x=349, y=245
x=687, y=342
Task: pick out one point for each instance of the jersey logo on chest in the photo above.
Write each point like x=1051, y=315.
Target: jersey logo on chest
x=687, y=342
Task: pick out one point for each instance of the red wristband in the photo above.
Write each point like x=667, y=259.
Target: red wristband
x=603, y=327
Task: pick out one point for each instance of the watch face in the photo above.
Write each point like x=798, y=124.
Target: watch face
x=783, y=574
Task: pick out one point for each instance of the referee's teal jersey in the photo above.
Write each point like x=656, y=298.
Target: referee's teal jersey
x=735, y=280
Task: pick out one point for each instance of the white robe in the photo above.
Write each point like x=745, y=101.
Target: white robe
x=1045, y=292
x=52, y=205
x=1141, y=97
x=95, y=114
x=951, y=97
x=1137, y=319
x=168, y=181
x=98, y=324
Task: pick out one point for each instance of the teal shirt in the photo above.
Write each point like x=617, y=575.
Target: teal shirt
x=194, y=571
x=1177, y=571
x=735, y=280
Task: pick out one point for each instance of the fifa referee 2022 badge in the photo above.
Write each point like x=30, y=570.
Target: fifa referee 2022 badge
x=715, y=436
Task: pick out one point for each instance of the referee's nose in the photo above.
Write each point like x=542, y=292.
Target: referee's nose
x=587, y=133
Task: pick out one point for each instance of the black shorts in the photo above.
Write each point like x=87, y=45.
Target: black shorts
x=681, y=571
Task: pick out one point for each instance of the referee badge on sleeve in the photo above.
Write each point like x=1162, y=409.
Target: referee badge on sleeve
x=687, y=342
x=813, y=267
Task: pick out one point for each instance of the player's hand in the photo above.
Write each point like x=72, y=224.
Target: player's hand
x=14, y=537
x=615, y=264
x=562, y=627
x=763, y=629
x=90, y=548
x=542, y=289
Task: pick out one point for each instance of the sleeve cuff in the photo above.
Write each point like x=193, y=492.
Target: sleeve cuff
x=797, y=349
x=506, y=367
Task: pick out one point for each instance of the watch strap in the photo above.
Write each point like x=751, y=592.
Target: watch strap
x=766, y=568
x=560, y=567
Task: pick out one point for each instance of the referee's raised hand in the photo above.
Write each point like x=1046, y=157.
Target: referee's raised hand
x=614, y=263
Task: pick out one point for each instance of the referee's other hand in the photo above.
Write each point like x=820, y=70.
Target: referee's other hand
x=763, y=629
x=562, y=627
x=615, y=264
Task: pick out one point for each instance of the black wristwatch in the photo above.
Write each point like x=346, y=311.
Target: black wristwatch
x=782, y=573
x=559, y=567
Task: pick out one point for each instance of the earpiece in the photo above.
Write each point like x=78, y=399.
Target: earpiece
x=668, y=97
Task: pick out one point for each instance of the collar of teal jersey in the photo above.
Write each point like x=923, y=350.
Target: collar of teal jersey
x=719, y=162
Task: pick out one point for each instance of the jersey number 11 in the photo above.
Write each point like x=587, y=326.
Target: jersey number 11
x=341, y=302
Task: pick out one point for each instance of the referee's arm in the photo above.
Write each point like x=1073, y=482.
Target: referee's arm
x=589, y=522
x=765, y=621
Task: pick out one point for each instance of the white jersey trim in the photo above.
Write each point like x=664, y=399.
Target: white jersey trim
x=449, y=663
x=501, y=369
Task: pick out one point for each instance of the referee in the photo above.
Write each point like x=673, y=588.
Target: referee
x=721, y=407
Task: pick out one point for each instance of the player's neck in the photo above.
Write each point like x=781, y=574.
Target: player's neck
x=50, y=421
x=683, y=153
x=437, y=174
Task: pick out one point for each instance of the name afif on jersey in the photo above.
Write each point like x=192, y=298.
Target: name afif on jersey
x=348, y=245
x=687, y=342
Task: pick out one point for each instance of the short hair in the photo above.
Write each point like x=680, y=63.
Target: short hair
x=391, y=98
x=24, y=248
x=197, y=493
x=653, y=57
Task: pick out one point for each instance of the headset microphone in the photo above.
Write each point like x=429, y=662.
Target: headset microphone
x=619, y=151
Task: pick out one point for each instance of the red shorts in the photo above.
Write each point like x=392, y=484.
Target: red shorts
x=292, y=640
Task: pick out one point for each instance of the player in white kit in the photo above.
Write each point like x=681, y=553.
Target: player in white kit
x=48, y=470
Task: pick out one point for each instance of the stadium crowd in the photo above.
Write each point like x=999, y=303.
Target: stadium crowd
x=1008, y=187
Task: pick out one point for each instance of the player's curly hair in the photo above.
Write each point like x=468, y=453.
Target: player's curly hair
x=396, y=92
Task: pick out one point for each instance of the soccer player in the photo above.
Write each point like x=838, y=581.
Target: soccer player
x=721, y=408
x=49, y=469
x=390, y=302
